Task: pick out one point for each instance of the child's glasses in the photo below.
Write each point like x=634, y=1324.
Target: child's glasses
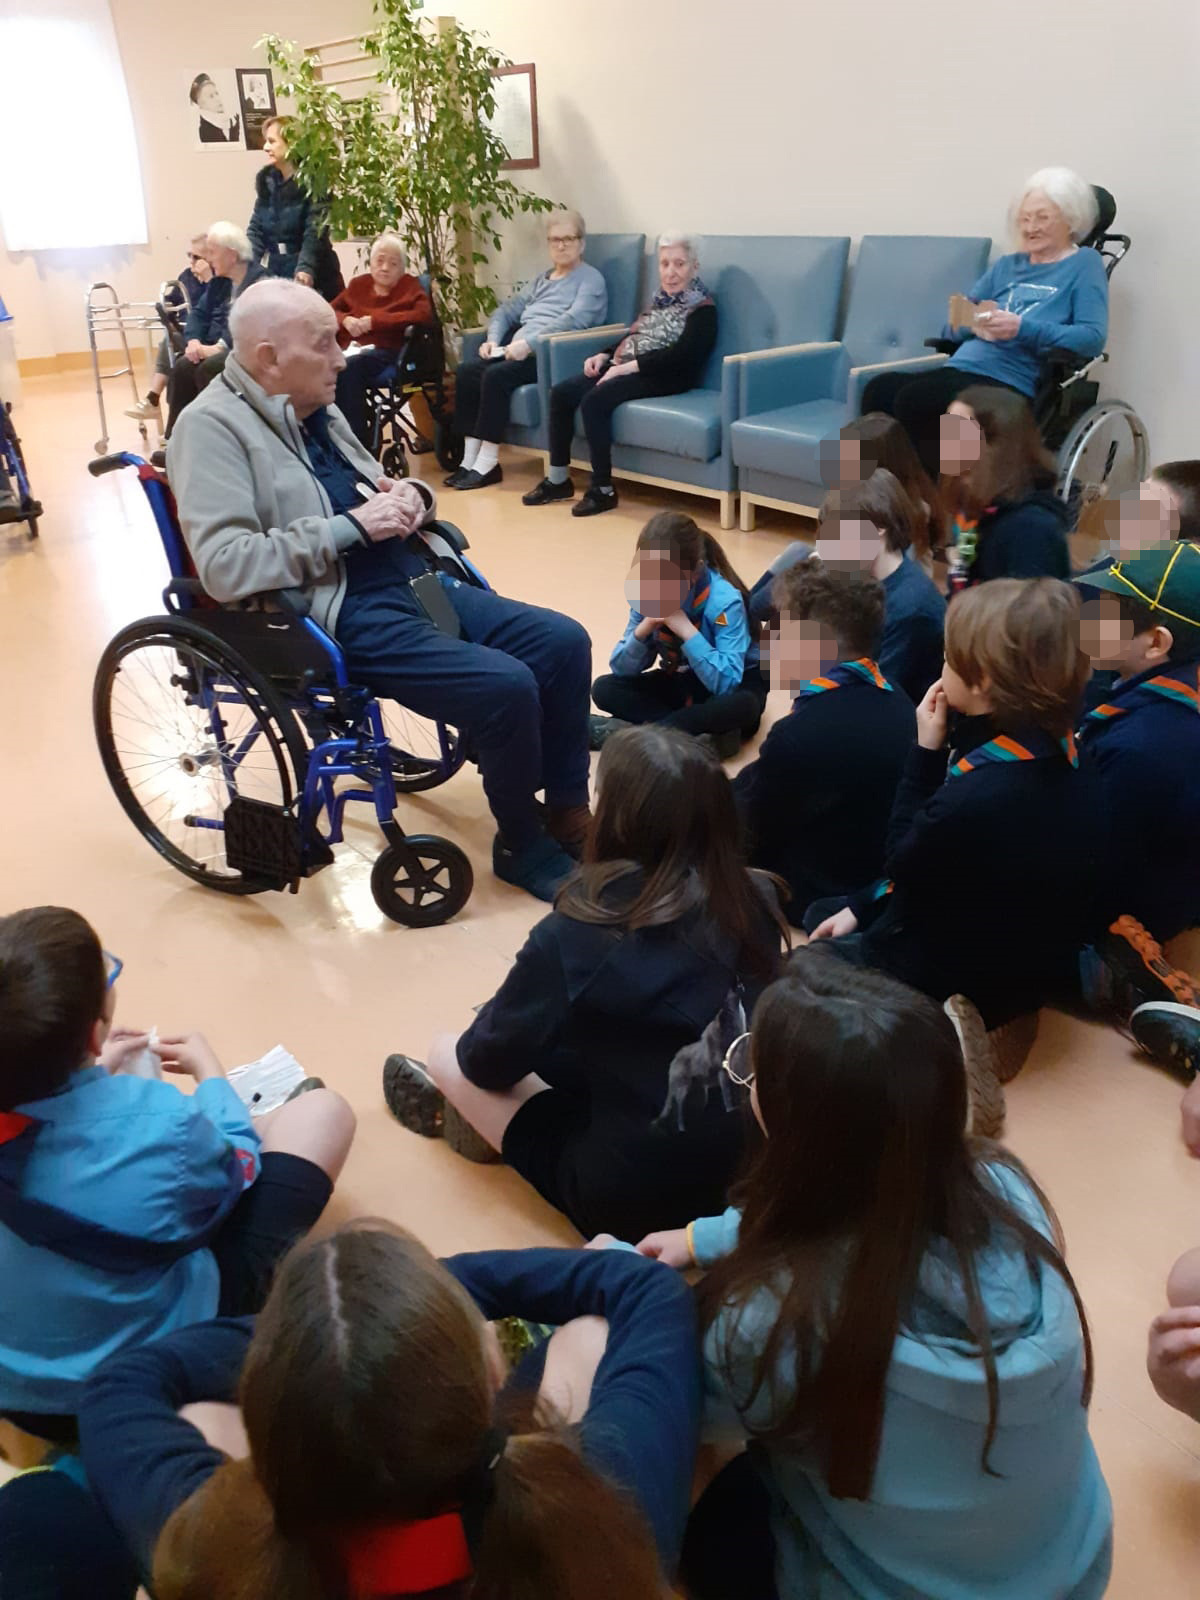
x=113, y=967
x=738, y=1052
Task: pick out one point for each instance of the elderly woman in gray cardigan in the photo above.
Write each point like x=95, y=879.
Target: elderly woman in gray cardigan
x=568, y=296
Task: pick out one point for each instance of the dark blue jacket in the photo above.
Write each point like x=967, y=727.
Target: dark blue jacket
x=209, y=317
x=287, y=227
x=1147, y=763
x=641, y=1429
x=1024, y=539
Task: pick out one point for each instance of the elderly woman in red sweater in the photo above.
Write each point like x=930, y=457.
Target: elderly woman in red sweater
x=374, y=311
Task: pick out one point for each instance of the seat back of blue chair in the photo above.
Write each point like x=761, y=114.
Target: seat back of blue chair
x=620, y=258
x=770, y=290
x=899, y=288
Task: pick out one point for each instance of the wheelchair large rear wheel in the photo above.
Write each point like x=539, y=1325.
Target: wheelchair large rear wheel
x=424, y=754
x=185, y=726
x=1105, y=454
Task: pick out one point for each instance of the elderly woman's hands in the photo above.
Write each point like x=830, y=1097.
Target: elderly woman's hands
x=997, y=327
x=595, y=365
x=518, y=350
x=619, y=369
x=306, y=278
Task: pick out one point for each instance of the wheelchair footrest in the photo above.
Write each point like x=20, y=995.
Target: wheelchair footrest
x=265, y=842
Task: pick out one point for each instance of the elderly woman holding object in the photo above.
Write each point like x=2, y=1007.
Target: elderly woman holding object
x=565, y=298
x=375, y=310
x=663, y=353
x=1048, y=295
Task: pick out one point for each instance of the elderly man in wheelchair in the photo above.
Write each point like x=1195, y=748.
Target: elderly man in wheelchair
x=276, y=494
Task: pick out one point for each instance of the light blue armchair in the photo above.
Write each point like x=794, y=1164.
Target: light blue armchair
x=769, y=291
x=790, y=400
x=620, y=258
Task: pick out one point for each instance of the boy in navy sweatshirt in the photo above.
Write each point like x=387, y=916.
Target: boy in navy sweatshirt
x=1141, y=617
x=994, y=871
x=815, y=804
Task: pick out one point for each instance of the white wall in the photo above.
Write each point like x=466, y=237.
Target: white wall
x=770, y=116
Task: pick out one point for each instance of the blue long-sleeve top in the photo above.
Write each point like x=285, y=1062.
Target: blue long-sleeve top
x=717, y=653
x=577, y=300
x=1063, y=305
x=641, y=1429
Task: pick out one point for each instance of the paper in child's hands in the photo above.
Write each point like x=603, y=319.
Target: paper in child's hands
x=147, y=1063
x=264, y=1085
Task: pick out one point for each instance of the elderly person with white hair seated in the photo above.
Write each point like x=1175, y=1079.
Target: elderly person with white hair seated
x=568, y=296
x=662, y=353
x=374, y=312
x=1048, y=295
x=276, y=493
x=206, y=331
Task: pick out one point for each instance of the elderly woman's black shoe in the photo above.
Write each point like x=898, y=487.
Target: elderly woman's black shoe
x=595, y=501
x=547, y=491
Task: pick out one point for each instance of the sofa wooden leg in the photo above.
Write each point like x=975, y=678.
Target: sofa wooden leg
x=726, y=503
x=746, y=514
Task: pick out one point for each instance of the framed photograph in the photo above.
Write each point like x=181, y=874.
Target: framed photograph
x=515, y=119
x=210, y=99
x=256, y=96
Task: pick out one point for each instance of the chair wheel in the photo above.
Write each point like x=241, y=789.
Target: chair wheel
x=423, y=882
x=394, y=461
x=449, y=446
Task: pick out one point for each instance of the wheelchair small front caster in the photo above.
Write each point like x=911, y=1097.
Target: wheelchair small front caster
x=422, y=882
x=394, y=461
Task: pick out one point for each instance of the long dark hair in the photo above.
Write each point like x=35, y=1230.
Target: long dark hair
x=884, y=442
x=688, y=546
x=862, y=1090
x=665, y=821
x=367, y=1401
x=1013, y=462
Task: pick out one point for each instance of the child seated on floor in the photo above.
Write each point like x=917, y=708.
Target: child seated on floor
x=688, y=622
x=994, y=875
x=1141, y=618
x=816, y=803
x=660, y=938
x=127, y=1209
x=890, y=1319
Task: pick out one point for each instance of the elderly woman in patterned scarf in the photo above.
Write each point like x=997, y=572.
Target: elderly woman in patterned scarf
x=663, y=353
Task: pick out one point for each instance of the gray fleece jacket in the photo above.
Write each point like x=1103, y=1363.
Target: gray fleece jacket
x=254, y=514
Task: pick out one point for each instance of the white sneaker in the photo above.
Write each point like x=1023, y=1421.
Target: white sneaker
x=143, y=411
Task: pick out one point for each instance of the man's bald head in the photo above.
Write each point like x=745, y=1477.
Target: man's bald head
x=285, y=336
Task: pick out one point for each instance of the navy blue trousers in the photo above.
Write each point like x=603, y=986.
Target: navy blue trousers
x=361, y=373
x=517, y=683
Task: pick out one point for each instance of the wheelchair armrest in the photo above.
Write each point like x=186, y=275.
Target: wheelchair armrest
x=944, y=347
x=185, y=589
x=453, y=536
x=1062, y=363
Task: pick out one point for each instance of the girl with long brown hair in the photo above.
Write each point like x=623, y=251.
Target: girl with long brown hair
x=654, y=948
x=890, y=1316
x=382, y=1459
x=998, y=484
x=686, y=658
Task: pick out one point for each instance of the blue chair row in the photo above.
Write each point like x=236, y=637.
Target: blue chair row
x=778, y=381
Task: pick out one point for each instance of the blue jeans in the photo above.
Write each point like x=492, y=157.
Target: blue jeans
x=516, y=683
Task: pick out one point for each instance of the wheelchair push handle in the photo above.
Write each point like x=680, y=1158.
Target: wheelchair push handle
x=103, y=464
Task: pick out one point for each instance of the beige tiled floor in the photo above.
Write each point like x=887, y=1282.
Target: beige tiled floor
x=325, y=974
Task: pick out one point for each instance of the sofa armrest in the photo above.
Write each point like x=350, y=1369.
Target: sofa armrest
x=568, y=351
x=471, y=340
x=787, y=376
x=861, y=376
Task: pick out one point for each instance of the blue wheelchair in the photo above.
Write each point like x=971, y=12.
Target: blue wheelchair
x=25, y=507
x=226, y=734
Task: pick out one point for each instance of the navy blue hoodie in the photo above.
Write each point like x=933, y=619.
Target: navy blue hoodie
x=1024, y=539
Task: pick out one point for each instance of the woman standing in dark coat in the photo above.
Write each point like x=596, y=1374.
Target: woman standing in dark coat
x=287, y=226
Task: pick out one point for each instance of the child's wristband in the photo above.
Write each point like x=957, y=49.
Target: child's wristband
x=690, y=1236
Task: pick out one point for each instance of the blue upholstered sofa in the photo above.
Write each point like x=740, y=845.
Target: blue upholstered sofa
x=621, y=258
x=770, y=291
x=788, y=401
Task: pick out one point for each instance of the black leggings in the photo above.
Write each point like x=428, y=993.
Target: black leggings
x=186, y=380
x=919, y=402
x=483, y=392
x=729, y=1548
x=596, y=402
x=680, y=700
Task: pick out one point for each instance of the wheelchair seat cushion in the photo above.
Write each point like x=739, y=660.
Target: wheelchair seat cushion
x=686, y=425
x=787, y=442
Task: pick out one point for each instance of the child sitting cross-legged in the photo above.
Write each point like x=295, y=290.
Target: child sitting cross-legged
x=889, y=1318
x=815, y=804
x=686, y=658
x=993, y=876
x=127, y=1209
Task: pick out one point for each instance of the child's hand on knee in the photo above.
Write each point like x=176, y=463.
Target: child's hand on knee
x=671, y=1247
x=1173, y=1359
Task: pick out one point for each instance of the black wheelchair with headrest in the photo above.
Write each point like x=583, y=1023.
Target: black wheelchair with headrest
x=234, y=738
x=21, y=504
x=419, y=369
x=1101, y=446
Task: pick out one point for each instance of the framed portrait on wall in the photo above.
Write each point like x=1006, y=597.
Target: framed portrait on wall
x=212, y=109
x=515, y=119
x=256, y=95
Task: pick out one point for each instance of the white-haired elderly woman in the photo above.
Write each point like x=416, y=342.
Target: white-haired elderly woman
x=206, y=331
x=1049, y=294
x=663, y=353
x=375, y=311
x=568, y=296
